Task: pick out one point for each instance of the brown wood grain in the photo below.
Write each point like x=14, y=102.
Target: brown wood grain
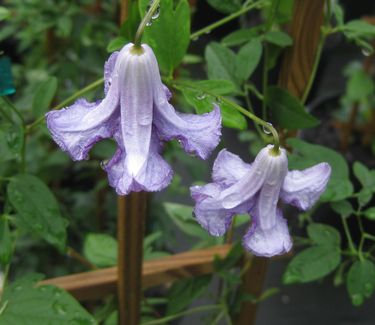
x=98, y=284
x=298, y=60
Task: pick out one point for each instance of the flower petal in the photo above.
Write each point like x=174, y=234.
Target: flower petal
x=108, y=69
x=303, y=188
x=198, y=134
x=269, y=242
x=229, y=168
x=77, y=128
x=154, y=175
x=208, y=211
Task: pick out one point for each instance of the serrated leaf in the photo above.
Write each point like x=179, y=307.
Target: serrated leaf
x=44, y=96
x=169, y=34
x=324, y=235
x=278, y=38
x=100, y=249
x=26, y=303
x=37, y=209
x=287, y=110
x=312, y=264
x=360, y=281
x=339, y=186
x=248, y=59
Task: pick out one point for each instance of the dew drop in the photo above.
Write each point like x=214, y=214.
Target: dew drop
x=201, y=96
x=195, y=38
x=149, y=23
x=266, y=130
x=103, y=164
x=207, y=32
x=366, y=52
x=156, y=14
x=59, y=308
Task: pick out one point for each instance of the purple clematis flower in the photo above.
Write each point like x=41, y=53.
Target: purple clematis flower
x=256, y=189
x=137, y=114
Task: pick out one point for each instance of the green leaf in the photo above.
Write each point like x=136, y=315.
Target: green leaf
x=4, y=13
x=44, y=96
x=370, y=213
x=360, y=281
x=248, y=59
x=339, y=186
x=287, y=110
x=183, y=293
x=116, y=44
x=364, y=175
x=100, y=249
x=37, y=209
x=364, y=196
x=358, y=29
x=229, y=261
x=225, y=6
x=311, y=264
x=5, y=241
x=343, y=208
x=26, y=303
x=339, y=14
x=169, y=34
x=360, y=86
x=240, y=36
x=278, y=38
x=182, y=216
x=324, y=235
x=11, y=140
x=221, y=62
x=202, y=95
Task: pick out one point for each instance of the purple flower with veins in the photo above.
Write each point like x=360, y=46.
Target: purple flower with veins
x=256, y=189
x=136, y=113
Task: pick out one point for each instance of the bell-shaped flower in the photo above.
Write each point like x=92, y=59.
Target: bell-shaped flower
x=137, y=115
x=255, y=189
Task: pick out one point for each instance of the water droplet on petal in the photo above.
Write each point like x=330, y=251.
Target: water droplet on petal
x=265, y=129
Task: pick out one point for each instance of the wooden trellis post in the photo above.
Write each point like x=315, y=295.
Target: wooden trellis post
x=296, y=68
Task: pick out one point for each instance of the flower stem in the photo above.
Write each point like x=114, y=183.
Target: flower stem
x=67, y=101
x=348, y=235
x=13, y=108
x=276, y=142
x=184, y=313
x=145, y=20
x=226, y=19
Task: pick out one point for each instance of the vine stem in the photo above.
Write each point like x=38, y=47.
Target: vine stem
x=226, y=19
x=67, y=101
x=145, y=20
x=348, y=235
x=184, y=313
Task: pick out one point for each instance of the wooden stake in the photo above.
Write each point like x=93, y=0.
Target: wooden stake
x=130, y=232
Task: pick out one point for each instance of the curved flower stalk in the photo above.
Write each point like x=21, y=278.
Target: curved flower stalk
x=256, y=189
x=136, y=113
